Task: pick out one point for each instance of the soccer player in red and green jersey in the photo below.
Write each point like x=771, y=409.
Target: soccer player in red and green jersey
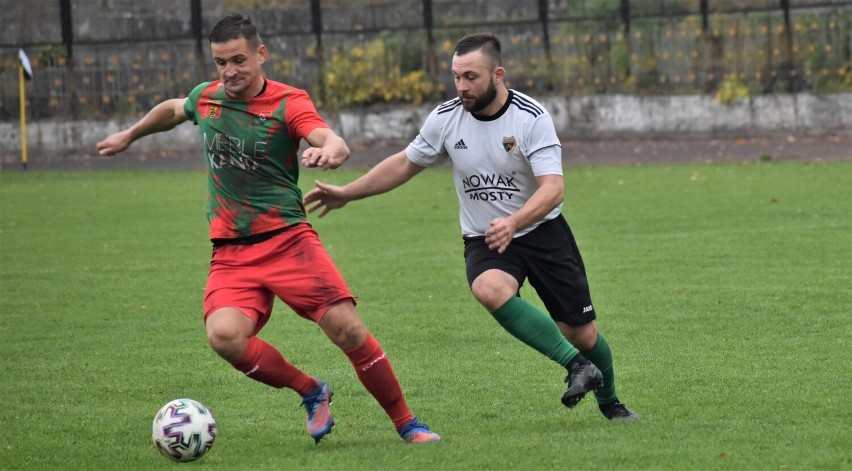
x=251, y=128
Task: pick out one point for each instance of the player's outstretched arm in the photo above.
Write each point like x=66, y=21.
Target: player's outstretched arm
x=327, y=151
x=387, y=175
x=162, y=117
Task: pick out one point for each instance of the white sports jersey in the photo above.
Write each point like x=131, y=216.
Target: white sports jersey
x=495, y=160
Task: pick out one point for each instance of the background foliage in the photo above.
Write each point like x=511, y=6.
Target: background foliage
x=127, y=55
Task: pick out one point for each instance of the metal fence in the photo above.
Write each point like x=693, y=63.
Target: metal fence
x=93, y=59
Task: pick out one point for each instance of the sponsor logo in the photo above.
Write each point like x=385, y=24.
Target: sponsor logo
x=228, y=151
x=587, y=309
x=490, y=187
x=460, y=145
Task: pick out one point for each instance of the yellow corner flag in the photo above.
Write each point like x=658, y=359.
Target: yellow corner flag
x=25, y=73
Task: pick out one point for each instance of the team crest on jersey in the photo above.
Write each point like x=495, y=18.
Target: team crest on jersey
x=214, y=109
x=509, y=144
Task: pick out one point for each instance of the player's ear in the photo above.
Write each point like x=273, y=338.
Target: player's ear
x=499, y=74
x=262, y=53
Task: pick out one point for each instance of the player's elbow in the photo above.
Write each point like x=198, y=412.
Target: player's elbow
x=555, y=190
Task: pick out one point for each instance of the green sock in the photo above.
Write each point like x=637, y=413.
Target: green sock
x=535, y=328
x=601, y=356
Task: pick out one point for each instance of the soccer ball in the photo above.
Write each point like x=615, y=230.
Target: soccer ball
x=184, y=430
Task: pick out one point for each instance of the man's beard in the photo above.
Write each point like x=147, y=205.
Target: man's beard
x=482, y=101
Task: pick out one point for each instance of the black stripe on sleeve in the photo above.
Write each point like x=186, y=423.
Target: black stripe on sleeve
x=526, y=105
x=449, y=106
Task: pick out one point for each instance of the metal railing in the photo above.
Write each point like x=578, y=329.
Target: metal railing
x=93, y=61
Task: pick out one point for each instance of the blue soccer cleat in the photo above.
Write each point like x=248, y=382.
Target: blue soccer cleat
x=417, y=432
x=316, y=402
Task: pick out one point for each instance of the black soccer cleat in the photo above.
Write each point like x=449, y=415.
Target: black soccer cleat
x=617, y=411
x=583, y=376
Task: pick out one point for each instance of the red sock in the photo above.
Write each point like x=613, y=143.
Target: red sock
x=375, y=372
x=263, y=362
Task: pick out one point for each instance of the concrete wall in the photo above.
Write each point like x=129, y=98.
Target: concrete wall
x=590, y=117
x=627, y=116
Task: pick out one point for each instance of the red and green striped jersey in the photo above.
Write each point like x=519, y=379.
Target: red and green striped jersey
x=251, y=147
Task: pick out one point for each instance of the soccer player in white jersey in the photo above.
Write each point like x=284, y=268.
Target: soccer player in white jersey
x=507, y=168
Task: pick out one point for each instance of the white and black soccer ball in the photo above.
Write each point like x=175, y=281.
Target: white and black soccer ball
x=184, y=430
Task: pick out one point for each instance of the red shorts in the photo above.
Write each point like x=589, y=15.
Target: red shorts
x=293, y=265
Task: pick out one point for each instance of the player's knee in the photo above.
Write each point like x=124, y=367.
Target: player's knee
x=348, y=334
x=227, y=343
x=490, y=294
x=352, y=336
x=228, y=331
x=584, y=336
x=344, y=326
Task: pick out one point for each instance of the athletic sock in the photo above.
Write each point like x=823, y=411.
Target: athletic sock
x=601, y=356
x=376, y=374
x=535, y=328
x=264, y=363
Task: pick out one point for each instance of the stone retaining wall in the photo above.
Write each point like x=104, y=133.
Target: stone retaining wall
x=591, y=117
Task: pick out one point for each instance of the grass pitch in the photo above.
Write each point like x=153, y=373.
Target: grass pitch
x=724, y=291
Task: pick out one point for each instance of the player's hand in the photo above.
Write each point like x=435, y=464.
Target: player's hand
x=114, y=143
x=322, y=157
x=500, y=234
x=325, y=197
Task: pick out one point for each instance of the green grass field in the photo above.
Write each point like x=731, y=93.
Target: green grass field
x=724, y=290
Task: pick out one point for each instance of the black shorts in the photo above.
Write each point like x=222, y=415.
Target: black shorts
x=548, y=256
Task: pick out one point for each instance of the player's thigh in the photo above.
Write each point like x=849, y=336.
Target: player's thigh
x=564, y=290
x=555, y=269
x=493, y=277
x=305, y=277
x=234, y=282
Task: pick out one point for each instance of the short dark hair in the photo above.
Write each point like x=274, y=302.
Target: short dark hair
x=235, y=26
x=488, y=43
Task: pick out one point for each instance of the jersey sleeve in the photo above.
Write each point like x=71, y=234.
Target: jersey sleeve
x=544, y=149
x=190, y=106
x=301, y=115
x=427, y=149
